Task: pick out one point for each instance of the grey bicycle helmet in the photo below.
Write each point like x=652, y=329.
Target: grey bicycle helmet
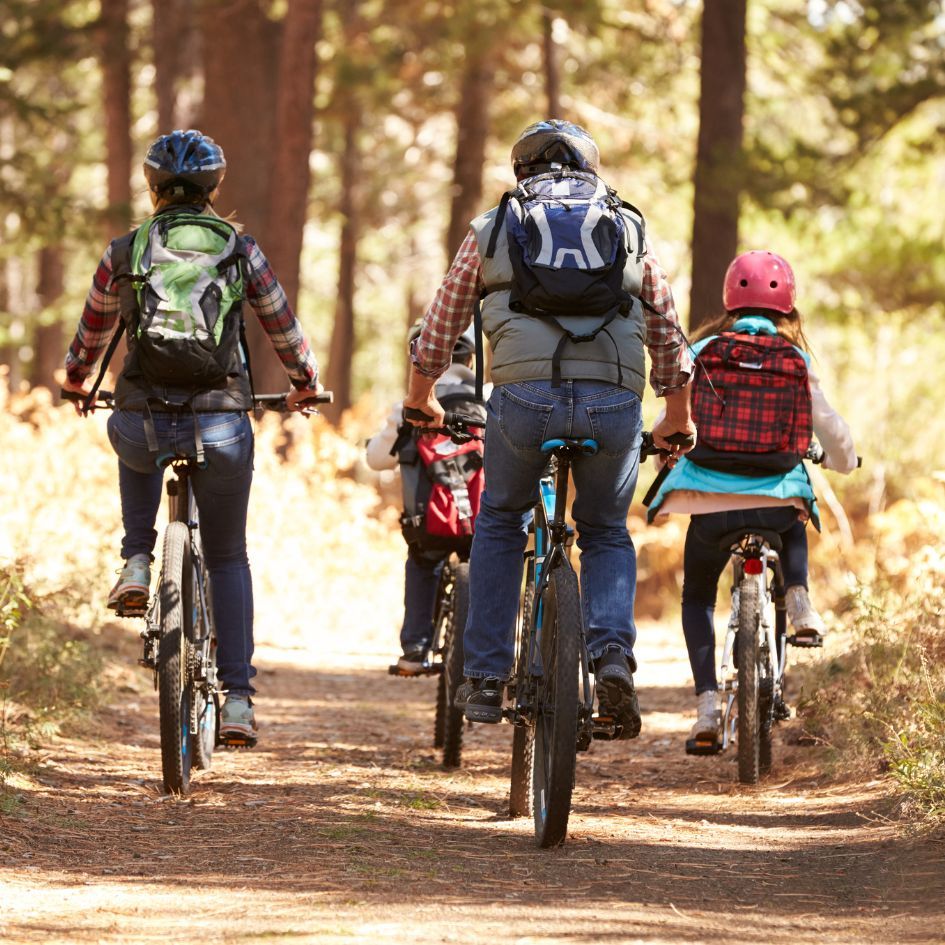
x=465, y=346
x=558, y=142
x=186, y=160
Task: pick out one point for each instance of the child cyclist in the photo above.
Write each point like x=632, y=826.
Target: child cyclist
x=393, y=446
x=164, y=407
x=759, y=297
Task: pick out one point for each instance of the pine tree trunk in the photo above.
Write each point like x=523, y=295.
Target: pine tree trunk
x=295, y=113
x=472, y=121
x=241, y=47
x=719, y=154
x=167, y=31
x=116, y=69
x=552, y=67
x=48, y=344
x=341, y=353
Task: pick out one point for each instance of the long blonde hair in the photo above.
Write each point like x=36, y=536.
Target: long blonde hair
x=191, y=200
x=787, y=326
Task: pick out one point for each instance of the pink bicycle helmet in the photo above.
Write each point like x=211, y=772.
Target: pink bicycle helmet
x=759, y=279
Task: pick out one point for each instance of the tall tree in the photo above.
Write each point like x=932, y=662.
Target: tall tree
x=472, y=131
x=116, y=71
x=241, y=47
x=48, y=343
x=295, y=111
x=718, y=172
x=551, y=64
x=167, y=33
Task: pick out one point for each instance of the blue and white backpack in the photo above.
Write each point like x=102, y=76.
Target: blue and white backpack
x=568, y=249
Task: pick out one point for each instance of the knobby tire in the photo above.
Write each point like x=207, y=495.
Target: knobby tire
x=441, y=612
x=175, y=660
x=556, y=721
x=453, y=718
x=523, y=736
x=749, y=734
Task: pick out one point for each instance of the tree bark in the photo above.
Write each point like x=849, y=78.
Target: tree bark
x=241, y=47
x=472, y=122
x=116, y=71
x=552, y=67
x=48, y=344
x=719, y=154
x=295, y=112
x=167, y=33
x=341, y=353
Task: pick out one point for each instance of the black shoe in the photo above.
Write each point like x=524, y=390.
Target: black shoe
x=481, y=699
x=616, y=695
x=413, y=662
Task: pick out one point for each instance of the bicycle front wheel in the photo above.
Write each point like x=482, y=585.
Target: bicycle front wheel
x=749, y=730
x=175, y=660
x=453, y=719
x=556, y=718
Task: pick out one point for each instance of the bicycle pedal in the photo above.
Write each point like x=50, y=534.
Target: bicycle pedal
x=810, y=642
x=703, y=746
x=605, y=727
x=237, y=741
x=131, y=611
x=433, y=670
x=781, y=711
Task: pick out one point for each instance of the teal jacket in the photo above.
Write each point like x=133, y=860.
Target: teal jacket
x=689, y=476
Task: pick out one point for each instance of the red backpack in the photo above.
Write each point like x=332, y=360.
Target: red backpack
x=442, y=481
x=751, y=405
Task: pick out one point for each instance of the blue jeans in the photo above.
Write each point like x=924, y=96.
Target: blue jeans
x=704, y=562
x=421, y=577
x=221, y=491
x=520, y=418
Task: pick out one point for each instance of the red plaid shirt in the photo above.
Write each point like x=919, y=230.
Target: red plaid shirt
x=451, y=312
x=265, y=295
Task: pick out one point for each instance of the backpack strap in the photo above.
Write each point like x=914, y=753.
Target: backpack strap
x=639, y=226
x=127, y=283
x=499, y=223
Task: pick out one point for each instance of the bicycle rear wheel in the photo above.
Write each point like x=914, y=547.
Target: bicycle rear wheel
x=175, y=660
x=749, y=731
x=556, y=718
x=453, y=718
x=523, y=736
x=441, y=615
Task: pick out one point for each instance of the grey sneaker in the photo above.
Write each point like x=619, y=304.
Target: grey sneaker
x=238, y=722
x=130, y=594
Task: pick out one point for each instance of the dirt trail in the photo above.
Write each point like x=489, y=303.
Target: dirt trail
x=342, y=827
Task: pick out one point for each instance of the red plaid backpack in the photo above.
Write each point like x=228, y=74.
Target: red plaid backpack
x=751, y=405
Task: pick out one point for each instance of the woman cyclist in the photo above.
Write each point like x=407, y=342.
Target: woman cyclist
x=184, y=170
x=758, y=296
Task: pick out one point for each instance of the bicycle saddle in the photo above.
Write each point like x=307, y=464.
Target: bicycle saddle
x=772, y=538
x=586, y=446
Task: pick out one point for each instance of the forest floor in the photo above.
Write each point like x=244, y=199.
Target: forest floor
x=342, y=827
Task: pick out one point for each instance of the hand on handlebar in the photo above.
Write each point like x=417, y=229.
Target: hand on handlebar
x=298, y=400
x=426, y=413
x=674, y=438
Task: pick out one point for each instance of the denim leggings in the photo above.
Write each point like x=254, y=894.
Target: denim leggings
x=421, y=579
x=221, y=491
x=704, y=563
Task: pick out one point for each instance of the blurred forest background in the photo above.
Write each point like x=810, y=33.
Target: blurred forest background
x=363, y=135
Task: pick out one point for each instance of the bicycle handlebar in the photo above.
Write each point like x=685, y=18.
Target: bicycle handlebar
x=649, y=448
x=105, y=398
x=816, y=455
x=457, y=426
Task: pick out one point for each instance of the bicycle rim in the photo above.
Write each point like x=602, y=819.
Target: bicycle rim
x=749, y=733
x=175, y=662
x=556, y=718
x=523, y=737
x=453, y=719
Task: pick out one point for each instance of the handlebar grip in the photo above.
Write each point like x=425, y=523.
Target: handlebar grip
x=412, y=413
x=102, y=397
x=452, y=418
x=681, y=439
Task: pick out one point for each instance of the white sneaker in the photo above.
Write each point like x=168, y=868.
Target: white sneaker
x=804, y=618
x=708, y=717
x=238, y=722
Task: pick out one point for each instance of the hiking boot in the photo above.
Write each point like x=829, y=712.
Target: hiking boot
x=705, y=737
x=616, y=694
x=130, y=594
x=808, y=625
x=238, y=722
x=481, y=699
x=413, y=662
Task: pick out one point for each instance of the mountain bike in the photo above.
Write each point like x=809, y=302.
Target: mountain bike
x=450, y=610
x=550, y=691
x=754, y=656
x=179, y=639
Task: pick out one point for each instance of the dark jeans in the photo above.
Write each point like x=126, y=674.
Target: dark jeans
x=704, y=563
x=221, y=491
x=421, y=577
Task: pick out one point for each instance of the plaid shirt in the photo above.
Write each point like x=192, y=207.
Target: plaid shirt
x=451, y=311
x=263, y=291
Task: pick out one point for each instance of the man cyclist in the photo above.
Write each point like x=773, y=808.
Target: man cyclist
x=598, y=396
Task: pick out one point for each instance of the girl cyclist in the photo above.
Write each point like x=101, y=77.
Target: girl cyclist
x=758, y=296
x=184, y=170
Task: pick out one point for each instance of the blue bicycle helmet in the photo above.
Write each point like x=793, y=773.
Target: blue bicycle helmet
x=555, y=142
x=184, y=162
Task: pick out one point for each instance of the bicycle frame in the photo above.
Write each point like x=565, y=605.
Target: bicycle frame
x=766, y=570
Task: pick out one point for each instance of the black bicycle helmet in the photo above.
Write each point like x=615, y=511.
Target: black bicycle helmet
x=464, y=348
x=184, y=161
x=555, y=142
